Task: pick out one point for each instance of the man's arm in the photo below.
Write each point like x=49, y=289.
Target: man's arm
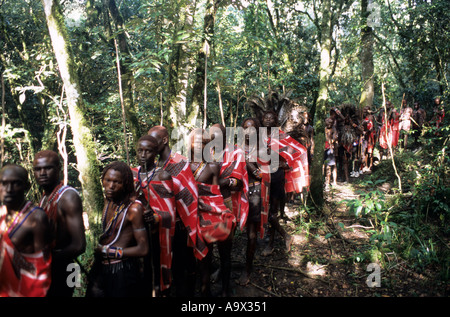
x=136, y=216
x=72, y=209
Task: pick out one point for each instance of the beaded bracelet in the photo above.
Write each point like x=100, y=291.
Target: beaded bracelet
x=233, y=182
x=112, y=252
x=115, y=252
x=257, y=173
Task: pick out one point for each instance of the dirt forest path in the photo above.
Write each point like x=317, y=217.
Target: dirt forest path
x=323, y=260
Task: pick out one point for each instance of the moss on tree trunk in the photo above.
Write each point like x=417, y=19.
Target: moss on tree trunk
x=87, y=163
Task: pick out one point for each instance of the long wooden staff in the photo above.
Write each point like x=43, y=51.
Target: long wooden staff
x=150, y=240
x=119, y=76
x=3, y=121
x=389, y=141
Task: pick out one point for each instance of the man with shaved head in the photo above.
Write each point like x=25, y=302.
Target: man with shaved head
x=154, y=189
x=233, y=183
x=64, y=208
x=25, y=258
x=188, y=243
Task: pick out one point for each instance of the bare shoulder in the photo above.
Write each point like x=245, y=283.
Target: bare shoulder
x=70, y=195
x=214, y=167
x=37, y=219
x=136, y=208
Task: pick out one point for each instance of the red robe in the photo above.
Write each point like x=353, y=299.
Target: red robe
x=370, y=135
x=265, y=189
x=21, y=275
x=160, y=197
x=215, y=220
x=186, y=200
x=234, y=165
x=393, y=133
x=440, y=119
x=296, y=156
x=265, y=195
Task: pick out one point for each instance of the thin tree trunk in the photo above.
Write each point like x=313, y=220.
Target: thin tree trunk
x=87, y=163
x=208, y=34
x=61, y=138
x=321, y=105
x=389, y=141
x=126, y=74
x=366, y=57
x=124, y=120
x=205, y=88
x=3, y=121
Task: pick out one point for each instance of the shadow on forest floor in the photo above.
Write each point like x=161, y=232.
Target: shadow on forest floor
x=326, y=259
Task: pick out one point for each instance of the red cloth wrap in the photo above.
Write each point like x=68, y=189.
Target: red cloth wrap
x=162, y=202
x=393, y=133
x=234, y=165
x=21, y=275
x=370, y=135
x=216, y=221
x=186, y=200
x=265, y=195
x=296, y=156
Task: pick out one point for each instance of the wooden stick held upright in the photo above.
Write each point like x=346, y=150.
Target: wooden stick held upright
x=389, y=140
x=119, y=76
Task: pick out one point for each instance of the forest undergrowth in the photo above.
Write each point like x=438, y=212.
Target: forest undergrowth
x=369, y=240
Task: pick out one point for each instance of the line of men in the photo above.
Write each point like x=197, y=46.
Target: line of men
x=161, y=219
x=351, y=139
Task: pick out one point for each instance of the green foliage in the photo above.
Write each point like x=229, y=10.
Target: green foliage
x=412, y=225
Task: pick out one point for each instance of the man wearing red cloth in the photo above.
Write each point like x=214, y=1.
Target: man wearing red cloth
x=258, y=192
x=439, y=112
x=368, y=138
x=64, y=209
x=188, y=243
x=25, y=258
x=389, y=132
x=233, y=174
x=216, y=220
x=154, y=188
x=290, y=175
x=233, y=183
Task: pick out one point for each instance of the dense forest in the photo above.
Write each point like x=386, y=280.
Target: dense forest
x=87, y=78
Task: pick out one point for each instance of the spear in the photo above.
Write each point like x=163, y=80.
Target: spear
x=150, y=243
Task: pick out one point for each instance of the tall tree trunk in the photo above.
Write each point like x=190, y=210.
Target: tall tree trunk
x=284, y=52
x=180, y=66
x=366, y=58
x=322, y=103
x=87, y=163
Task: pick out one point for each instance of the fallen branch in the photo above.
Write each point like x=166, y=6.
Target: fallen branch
x=265, y=290
x=359, y=226
x=306, y=274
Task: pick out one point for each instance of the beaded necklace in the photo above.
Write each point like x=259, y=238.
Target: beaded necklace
x=199, y=169
x=107, y=227
x=148, y=180
x=53, y=195
x=17, y=215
